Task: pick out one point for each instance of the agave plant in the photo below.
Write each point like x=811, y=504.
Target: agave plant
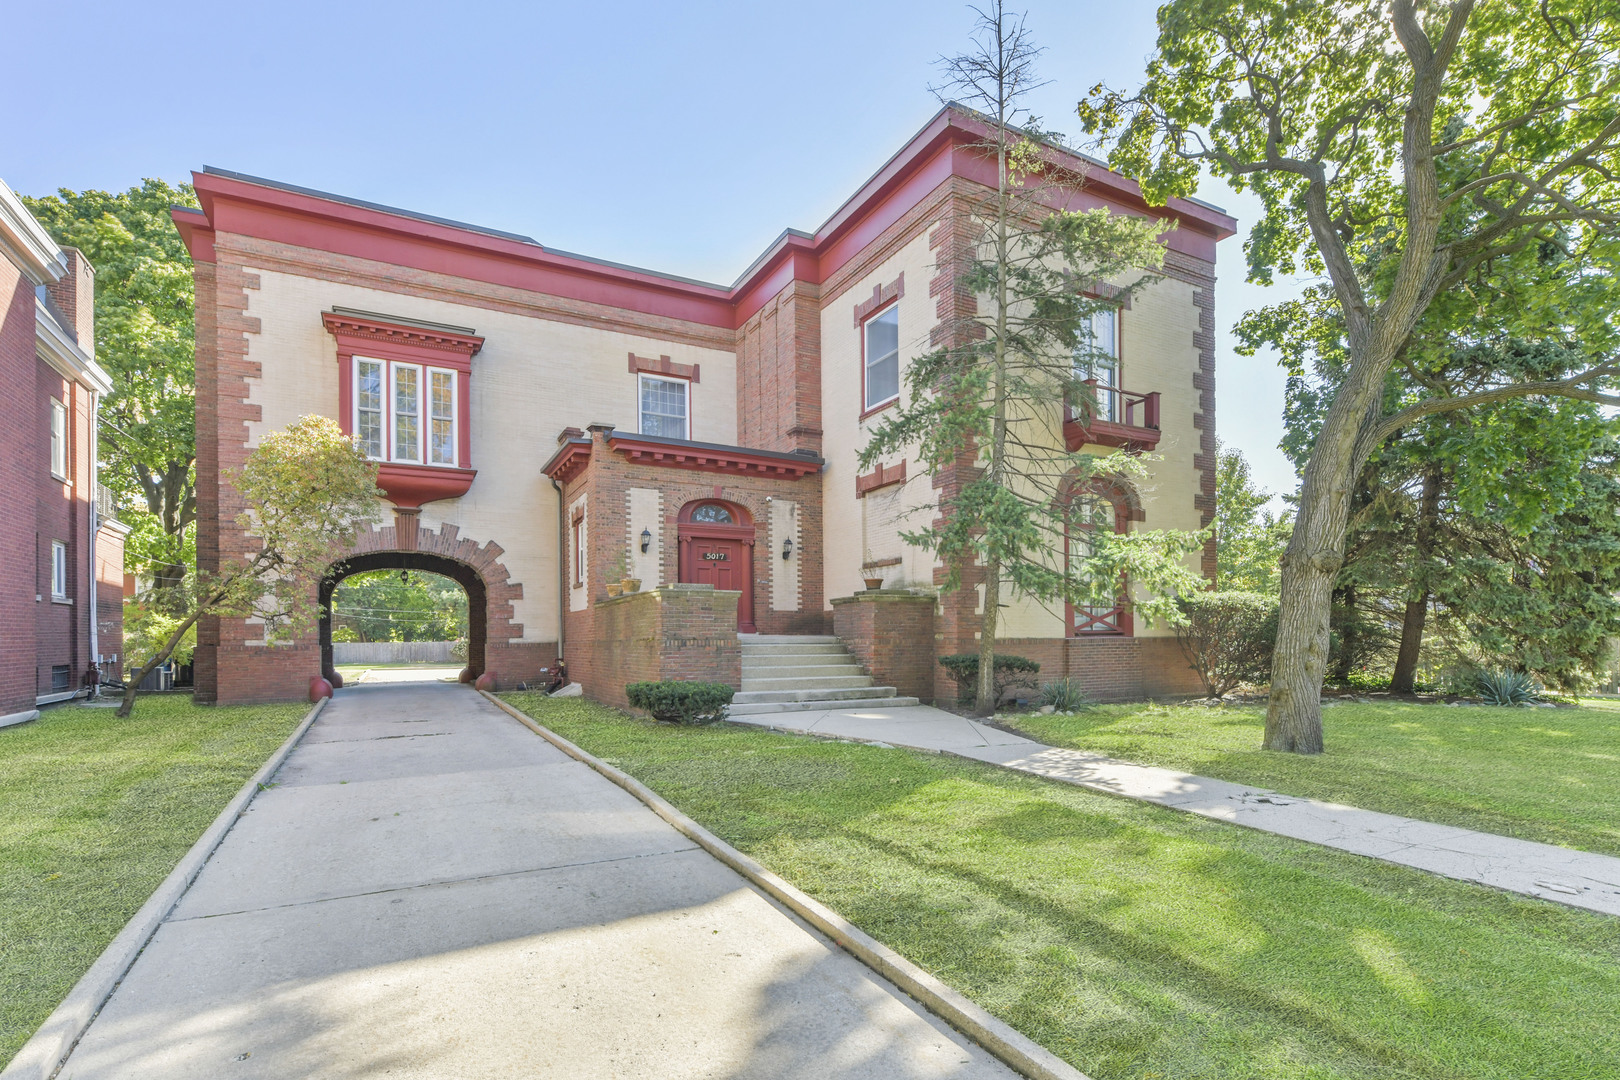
x=1065, y=695
x=1504, y=687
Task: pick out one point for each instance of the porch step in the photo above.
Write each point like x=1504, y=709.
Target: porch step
x=761, y=707
x=820, y=682
x=795, y=672
x=787, y=651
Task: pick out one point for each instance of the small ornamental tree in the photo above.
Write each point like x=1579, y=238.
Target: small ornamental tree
x=997, y=392
x=308, y=489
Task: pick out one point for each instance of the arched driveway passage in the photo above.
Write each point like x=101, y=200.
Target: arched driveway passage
x=461, y=573
x=429, y=889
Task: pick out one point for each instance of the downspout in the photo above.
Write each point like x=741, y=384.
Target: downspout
x=562, y=569
x=95, y=525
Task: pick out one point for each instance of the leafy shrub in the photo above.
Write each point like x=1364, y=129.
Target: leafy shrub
x=458, y=649
x=344, y=634
x=1503, y=687
x=1228, y=638
x=1065, y=695
x=681, y=702
x=1009, y=673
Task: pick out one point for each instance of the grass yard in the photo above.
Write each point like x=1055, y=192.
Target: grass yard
x=1138, y=942
x=1538, y=774
x=94, y=812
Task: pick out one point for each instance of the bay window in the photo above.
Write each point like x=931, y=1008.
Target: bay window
x=881, y=358
x=405, y=412
x=665, y=408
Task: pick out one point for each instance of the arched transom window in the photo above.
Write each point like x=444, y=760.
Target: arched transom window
x=713, y=514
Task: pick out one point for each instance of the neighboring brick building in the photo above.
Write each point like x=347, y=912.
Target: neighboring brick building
x=549, y=423
x=61, y=563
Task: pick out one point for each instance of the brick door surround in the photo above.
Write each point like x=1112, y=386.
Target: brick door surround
x=743, y=533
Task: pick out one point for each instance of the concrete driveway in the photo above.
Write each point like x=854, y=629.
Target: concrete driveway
x=431, y=890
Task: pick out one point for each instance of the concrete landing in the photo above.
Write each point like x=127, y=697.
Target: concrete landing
x=430, y=890
x=1577, y=878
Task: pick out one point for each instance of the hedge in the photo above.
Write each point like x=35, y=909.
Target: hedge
x=681, y=702
x=1010, y=673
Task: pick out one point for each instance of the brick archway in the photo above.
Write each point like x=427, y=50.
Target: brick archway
x=477, y=568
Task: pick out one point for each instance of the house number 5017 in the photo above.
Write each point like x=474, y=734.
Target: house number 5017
x=715, y=556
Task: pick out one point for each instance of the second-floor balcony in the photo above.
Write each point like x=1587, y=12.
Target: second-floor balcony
x=1116, y=418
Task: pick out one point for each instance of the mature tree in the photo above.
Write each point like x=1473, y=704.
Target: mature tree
x=308, y=489
x=1249, y=538
x=393, y=605
x=144, y=321
x=1495, y=522
x=995, y=394
x=1400, y=150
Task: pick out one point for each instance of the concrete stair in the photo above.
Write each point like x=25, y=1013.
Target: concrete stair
x=800, y=673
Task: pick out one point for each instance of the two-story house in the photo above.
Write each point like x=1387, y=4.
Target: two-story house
x=61, y=550
x=549, y=425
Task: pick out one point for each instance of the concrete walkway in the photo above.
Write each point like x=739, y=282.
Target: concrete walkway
x=1577, y=878
x=429, y=889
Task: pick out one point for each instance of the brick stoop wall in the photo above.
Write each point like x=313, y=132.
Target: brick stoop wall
x=890, y=632
x=1111, y=667
x=681, y=632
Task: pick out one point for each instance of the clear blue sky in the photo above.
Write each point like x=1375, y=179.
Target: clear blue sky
x=678, y=136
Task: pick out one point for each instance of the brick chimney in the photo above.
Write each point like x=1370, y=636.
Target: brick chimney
x=75, y=297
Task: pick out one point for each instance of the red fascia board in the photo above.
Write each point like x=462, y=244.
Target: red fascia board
x=566, y=463
x=195, y=232
x=738, y=461
x=302, y=220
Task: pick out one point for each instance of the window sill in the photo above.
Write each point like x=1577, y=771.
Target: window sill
x=65, y=601
x=58, y=477
x=874, y=410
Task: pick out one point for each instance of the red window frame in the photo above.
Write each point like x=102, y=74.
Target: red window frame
x=1117, y=621
x=579, y=551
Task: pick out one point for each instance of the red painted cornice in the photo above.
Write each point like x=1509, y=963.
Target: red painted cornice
x=233, y=204
x=569, y=461
x=736, y=460
x=401, y=341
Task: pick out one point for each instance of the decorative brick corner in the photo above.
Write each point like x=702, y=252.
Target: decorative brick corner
x=891, y=634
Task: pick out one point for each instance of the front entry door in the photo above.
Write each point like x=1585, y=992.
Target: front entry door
x=725, y=564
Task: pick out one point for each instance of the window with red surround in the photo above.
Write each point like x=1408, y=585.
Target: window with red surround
x=405, y=391
x=878, y=320
x=1093, y=511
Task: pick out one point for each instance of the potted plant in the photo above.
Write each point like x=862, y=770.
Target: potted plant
x=617, y=580
x=631, y=585
x=615, y=588
x=869, y=575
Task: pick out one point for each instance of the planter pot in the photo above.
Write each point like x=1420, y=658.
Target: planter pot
x=614, y=588
x=631, y=585
x=873, y=584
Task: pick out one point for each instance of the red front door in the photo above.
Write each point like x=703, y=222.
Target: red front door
x=725, y=564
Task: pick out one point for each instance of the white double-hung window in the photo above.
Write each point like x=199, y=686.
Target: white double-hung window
x=405, y=412
x=881, y=353
x=1098, y=358
x=665, y=407
x=59, y=446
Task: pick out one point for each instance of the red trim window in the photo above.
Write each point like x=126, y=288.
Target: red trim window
x=880, y=359
x=1092, y=511
x=405, y=413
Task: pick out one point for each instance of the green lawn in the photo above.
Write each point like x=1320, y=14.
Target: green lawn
x=1136, y=941
x=1538, y=774
x=94, y=812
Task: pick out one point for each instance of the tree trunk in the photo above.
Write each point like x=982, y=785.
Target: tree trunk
x=1311, y=564
x=985, y=702
x=1417, y=607
x=1349, y=633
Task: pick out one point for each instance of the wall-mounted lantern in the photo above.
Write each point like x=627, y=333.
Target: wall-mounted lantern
x=646, y=540
x=787, y=548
